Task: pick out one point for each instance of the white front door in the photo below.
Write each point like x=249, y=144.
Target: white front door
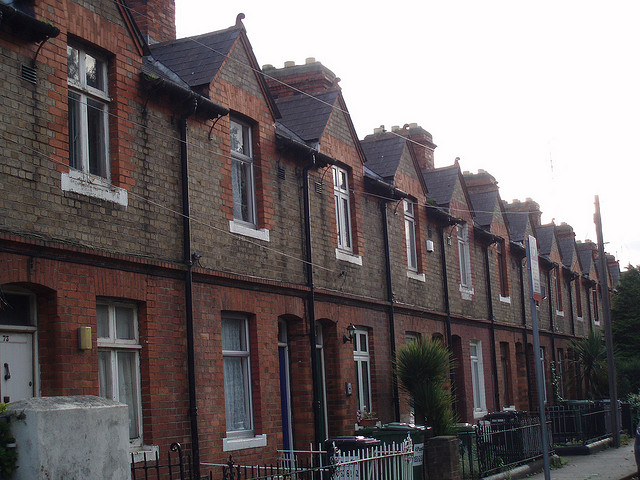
x=16, y=363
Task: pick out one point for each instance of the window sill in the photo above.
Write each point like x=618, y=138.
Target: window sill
x=416, y=276
x=466, y=292
x=248, y=231
x=140, y=452
x=230, y=444
x=479, y=413
x=560, y=313
x=348, y=257
x=580, y=319
x=505, y=299
x=91, y=186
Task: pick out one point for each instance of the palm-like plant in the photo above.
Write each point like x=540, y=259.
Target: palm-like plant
x=422, y=368
x=591, y=359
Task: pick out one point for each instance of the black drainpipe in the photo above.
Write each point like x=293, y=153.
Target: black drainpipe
x=494, y=361
x=188, y=293
x=589, y=308
x=524, y=332
x=390, y=297
x=447, y=310
x=311, y=301
x=552, y=323
x=573, y=323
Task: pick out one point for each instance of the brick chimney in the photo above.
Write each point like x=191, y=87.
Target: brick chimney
x=480, y=182
x=421, y=142
x=529, y=206
x=155, y=18
x=312, y=77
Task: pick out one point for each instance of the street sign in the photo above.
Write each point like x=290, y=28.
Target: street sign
x=535, y=270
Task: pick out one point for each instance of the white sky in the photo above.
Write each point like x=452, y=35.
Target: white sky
x=543, y=95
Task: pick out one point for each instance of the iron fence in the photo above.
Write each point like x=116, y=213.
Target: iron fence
x=381, y=462
x=489, y=447
x=177, y=466
x=579, y=424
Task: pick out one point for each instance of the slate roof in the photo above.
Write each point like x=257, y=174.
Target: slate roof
x=544, y=235
x=196, y=60
x=484, y=206
x=305, y=115
x=383, y=153
x=441, y=183
x=585, y=254
x=153, y=68
x=517, y=225
x=566, y=244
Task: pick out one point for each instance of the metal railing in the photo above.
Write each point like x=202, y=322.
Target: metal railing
x=580, y=423
x=491, y=447
x=380, y=462
x=177, y=466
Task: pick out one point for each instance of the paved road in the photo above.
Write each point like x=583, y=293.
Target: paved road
x=609, y=464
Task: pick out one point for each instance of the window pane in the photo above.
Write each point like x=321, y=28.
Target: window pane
x=242, y=184
x=128, y=389
x=74, y=131
x=125, y=323
x=104, y=374
x=102, y=314
x=237, y=143
x=233, y=334
x=73, y=64
x=347, y=226
x=96, y=129
x=364, y=366
x=95, y=72
x=235, y=394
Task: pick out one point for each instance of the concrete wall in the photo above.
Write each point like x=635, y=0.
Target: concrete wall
x=71, y=437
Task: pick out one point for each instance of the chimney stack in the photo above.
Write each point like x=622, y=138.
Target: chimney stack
x=480, y=182
x=422, y=144
x=155, y=18
x=311, y=77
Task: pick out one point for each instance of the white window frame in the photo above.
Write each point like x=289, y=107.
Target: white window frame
x=342, y=203
x=410, y=235
x=113, y=345
x=242, y=158
x=362, y=359
x=477, y=379
x=87, y=93
x=245, y=437
x=464, y=256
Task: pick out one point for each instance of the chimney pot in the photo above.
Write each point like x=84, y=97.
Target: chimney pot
x=289, y=63
x=414, y=125
x=378, y=130
x=268, y=66
x=309, y=60
x=395, y=128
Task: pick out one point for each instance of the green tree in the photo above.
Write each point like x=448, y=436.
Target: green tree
x=591, y=359
x=625, y=324
x=423, y=370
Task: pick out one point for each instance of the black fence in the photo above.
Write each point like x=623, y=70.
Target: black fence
x=503, y=441
x=580, y=423
x=177, y=466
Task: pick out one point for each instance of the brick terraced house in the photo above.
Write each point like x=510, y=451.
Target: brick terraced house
x=216, y=248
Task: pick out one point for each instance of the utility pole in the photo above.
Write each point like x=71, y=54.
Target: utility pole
x=608, y=335
x=535, y=294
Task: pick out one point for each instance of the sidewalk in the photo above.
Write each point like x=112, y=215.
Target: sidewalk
x=609, y=464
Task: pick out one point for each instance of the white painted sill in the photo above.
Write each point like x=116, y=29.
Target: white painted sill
x=145, y=451
x=248, y=231
x=416, y=276
x=580, y=319
x=560, y=313
x=348, y=257
x=505, y=299
x=231, y=444
x=479, y=413
x=466, y=292
x=92, y=186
